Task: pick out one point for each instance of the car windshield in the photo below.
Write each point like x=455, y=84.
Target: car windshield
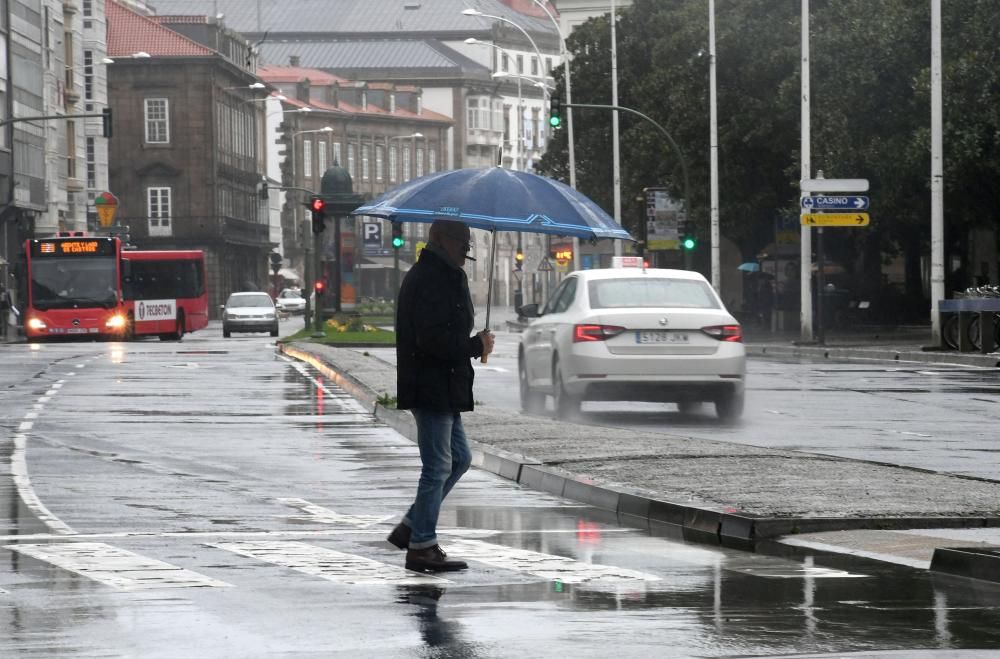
x=650, y=292
x=261, y=300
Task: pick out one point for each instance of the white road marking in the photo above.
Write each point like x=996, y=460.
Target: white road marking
x=547, y=566
x=797, y=572
x=31, y=415
x=116, y=567
x=315, y=513
x=25, y=426
x=44, y=399
x=326, y=563
x=19, y=473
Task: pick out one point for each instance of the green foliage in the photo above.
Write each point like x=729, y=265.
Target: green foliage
x=870, y=114
x=385, y=400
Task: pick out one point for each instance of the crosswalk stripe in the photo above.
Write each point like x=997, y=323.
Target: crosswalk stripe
x=547, y=566
x=115, y=567
x=326, y=563
x=315, y=513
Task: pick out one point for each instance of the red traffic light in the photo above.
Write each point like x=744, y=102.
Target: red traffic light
x=319, y=287
x=317, y=205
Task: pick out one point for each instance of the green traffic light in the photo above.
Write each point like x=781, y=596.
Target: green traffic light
x=689, y=243
x=398, y=241
x=555, y=121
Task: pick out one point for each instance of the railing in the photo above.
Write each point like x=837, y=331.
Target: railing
x=201, y=228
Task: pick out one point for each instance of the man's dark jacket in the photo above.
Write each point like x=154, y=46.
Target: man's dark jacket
x=434, y=349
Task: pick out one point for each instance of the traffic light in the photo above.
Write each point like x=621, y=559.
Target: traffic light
x=397, y=236
x=317, y=206
x=275, y=259
x=688, y=240
x=555, y=111
x=319, y=287
x=518, y=260
x=106, y=121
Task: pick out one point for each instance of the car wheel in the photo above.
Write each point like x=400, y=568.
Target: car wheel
x=532, y=402
x=565, y=403
x=225, y=332
x=689, y=406
x=729, y=407
x=274, y=330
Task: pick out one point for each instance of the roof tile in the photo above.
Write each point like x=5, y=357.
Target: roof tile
x=130, y=32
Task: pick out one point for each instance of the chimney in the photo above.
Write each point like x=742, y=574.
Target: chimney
x=294, y=60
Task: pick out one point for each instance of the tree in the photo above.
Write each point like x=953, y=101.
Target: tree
x=870, y=115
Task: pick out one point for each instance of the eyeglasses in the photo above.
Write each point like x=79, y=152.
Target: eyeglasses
x=466, y=245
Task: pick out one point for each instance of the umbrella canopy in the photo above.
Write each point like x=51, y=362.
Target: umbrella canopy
x=749, y=266
x=496, y=199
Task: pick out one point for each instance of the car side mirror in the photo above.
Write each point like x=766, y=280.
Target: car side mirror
x=222, y=307
x=529, y=311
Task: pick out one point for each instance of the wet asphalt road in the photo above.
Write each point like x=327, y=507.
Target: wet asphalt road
x=935, y=417
x=211, y=499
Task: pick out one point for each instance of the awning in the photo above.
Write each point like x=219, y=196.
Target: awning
x=378, y=262
x=289, y=274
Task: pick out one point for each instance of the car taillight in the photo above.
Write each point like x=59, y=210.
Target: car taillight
x=724, y=332
x=595, y=332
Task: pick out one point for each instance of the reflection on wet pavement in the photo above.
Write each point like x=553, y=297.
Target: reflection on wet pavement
x=262, y=476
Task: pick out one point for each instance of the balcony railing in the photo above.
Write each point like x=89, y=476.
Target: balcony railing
x=199, y=228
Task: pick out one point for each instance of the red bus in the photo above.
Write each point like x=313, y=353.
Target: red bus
x=75, y=286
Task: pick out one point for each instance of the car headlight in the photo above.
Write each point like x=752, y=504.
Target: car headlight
x=36, y=323
x=269, y=315
x=115, y=322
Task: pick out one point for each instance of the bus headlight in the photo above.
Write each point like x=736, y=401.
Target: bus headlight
x=115, y=322
x=36, y=323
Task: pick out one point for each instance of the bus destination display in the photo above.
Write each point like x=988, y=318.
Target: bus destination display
x=73, y=247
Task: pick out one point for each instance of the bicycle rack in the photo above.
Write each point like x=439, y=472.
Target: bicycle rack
x=984, y=309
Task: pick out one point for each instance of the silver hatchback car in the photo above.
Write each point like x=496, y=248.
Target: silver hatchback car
x=249, y=312
x=633, y=334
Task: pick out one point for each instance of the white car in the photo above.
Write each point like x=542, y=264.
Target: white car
x=249, y=312
x=633, y=334
x=290, y=300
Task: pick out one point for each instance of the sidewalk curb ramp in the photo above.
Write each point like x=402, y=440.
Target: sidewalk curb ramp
x=630, y=504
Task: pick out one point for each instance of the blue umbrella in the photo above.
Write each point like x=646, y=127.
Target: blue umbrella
x=749, y=266
x=496, y=199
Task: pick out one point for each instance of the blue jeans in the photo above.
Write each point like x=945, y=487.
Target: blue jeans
x=444, y=456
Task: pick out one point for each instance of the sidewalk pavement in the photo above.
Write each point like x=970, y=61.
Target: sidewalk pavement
x=769, y=500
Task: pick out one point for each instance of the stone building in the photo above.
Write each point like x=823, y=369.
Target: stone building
x=186, y=159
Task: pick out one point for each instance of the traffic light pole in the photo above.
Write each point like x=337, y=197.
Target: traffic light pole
x=680, y=156
x=318, y=276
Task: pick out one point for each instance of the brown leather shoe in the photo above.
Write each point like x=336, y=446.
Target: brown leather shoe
x=432, y=559
x=400, y=536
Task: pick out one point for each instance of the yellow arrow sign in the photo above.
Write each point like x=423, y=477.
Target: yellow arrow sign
x=835, y=219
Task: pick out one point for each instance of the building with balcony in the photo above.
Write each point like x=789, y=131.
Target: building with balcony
x=381, y=133
x=186, y=159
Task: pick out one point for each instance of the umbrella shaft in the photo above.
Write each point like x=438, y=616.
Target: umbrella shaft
x=489, y=287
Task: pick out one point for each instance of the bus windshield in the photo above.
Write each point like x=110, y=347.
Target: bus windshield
x=72, y=283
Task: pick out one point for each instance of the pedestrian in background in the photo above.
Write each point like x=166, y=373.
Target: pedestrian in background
x=434, y=349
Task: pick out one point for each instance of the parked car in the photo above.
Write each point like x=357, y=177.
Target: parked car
x=290, y=300
x=249, y=312
x=633, y=334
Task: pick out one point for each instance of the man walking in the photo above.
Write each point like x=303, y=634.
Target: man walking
x=434, y=348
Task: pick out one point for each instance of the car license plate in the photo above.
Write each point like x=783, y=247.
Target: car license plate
x=77, y=330
x=661, y=337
